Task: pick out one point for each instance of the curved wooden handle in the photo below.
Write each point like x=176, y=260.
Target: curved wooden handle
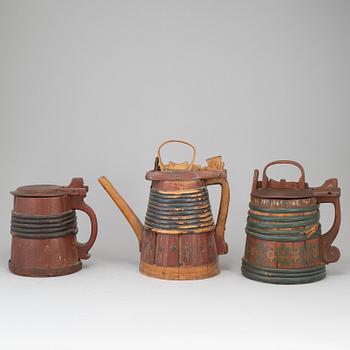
x=161, y=164
x=330, y=193
x=301, y=182
x=83, y=248
x=221, y=245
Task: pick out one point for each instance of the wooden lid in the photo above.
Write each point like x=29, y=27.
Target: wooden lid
x=173, y=175
x=39, y=191
x=282, y=193
x=185, y=170
x=76, y=187
x=270, y=188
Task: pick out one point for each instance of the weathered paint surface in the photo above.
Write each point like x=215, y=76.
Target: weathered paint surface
x=179, y=212
x=44, y=228
x=177, y=250
x=179, y=239
x=283, y=254
x=179, y=233
x=282, y=234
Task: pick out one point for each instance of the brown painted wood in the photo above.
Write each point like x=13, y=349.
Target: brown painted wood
x=42, y=206
x=43, y=229
x=148, y=248
x=180, y=239
x=284, y=241
x=44, y=257
x=167, y=250
x=185, y=250
x=195, y=249
x=212, y=251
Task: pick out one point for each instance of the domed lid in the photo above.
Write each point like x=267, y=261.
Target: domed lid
x=270, y=188
x=185, y=170
x=76, y=187
x=39, y=191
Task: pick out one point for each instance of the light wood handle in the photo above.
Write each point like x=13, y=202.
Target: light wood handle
x=221, y=245
x=161, y=164
x=129, y=214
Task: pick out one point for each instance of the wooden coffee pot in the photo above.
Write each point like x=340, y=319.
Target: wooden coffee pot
x=179, y=239
x=44, y=228
x=285, y=244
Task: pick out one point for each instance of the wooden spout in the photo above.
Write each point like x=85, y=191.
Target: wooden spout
x=129, y=214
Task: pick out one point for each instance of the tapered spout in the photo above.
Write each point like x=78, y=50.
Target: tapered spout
x=129, y=214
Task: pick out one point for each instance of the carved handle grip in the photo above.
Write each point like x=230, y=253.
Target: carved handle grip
x=221, y=245
x=77, y=192
x=83, y=248
x=329, y=192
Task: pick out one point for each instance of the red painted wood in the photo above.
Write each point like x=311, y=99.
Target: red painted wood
x=167, y=250
x=313, y=253
x=148, y=246
x=52, y=256
x=212, y=252
x=44, y=257
x=261, y=253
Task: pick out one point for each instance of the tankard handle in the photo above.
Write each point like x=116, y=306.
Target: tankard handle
x=161, y=164
x=77, y=192
x=83, y=248
x=221, y=245
x=301, y=182
x=329, y=192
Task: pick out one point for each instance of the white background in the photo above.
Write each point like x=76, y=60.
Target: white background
x=91, y=88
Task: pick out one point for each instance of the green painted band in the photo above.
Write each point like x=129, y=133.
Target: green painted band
x=283, y=210
x=261, y=272
x=283, y=276
x=291, y=272
x=283, y=238
x=285, y=218
x=280, y=231
x=283, y=280
x=270, y=225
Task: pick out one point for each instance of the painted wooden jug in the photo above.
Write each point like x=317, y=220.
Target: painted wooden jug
x=44, y=228
x=179, y=239
x=284, y=244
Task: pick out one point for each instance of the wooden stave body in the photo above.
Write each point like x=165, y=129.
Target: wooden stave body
x=177, y=253
x=36, y=256
x=44, y=257
x=286, y=254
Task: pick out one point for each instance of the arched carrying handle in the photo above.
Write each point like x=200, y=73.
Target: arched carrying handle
x=161, y=164
x=221, y=245
x=301, y=182
x=329, y=193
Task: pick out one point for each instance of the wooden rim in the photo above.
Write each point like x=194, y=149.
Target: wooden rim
x=179, y=272
x=180, y=232
x=44, y=272
x=279, y=204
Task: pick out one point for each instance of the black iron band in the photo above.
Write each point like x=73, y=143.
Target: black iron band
x=179, y=211
x=44, y=226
